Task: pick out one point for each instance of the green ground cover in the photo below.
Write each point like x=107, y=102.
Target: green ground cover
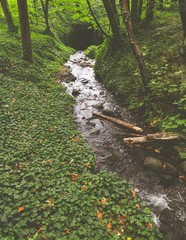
x=47, y=183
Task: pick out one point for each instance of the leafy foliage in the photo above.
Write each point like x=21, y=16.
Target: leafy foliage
x=48, y=186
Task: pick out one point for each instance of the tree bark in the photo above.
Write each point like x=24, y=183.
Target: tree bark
x=134, y=12
x=25, y=30
x=113, y=16
x=150, y=11
x=182, y=7
x=118, y=122
x=45, y=7
x=133, y=43
x=96, y=21
x=8, y=16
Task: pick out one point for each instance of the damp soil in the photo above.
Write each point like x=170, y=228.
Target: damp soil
x=166, y=199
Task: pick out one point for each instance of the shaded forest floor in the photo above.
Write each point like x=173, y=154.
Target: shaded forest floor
x=48, y=186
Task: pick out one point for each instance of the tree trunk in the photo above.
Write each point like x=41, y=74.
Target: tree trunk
x=113, y=16
x=134, y=12
x=45, y=7
x=150, y=11
x=25, y=30
x=96, y=21
x=8, y=16
x=140, y=8
x=133, y=43
x=118, y=122
x=182, y=7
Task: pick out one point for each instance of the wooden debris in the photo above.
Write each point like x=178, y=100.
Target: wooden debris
x=163, y=136
x=118, y=122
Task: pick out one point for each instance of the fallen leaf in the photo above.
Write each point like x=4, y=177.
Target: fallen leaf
x=157, y=150
x=149, y=225
x=109, y=226
x=83, y=188
x=133, y=193
x=13, y=100
x=182, y=178
x=50, y=202
x=164, y=166
x=138, y=206
x=99, y=215
x=40, y=140
x=71, y=161
x=21, y=208
x=74, y=176
x=67, y=231
x=104, y=201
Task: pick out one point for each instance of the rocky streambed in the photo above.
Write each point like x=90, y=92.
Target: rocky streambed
x=156, y=172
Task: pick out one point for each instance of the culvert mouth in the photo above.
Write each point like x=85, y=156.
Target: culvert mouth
x=82, y=36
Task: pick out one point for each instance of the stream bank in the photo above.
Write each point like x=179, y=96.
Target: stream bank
x=166, y=201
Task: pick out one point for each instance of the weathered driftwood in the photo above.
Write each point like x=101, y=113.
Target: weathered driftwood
x=163, y=136
x=118, y=122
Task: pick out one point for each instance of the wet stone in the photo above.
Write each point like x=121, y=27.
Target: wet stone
x=169, y=169
x=92, y=124
x=154, y=164
x=183, y=166
x=108, y=112
x=84, y=81
x=98, y=106
x=75, y=92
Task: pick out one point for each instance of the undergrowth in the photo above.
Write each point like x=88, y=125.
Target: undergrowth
x=163, y=106
x=48, y=186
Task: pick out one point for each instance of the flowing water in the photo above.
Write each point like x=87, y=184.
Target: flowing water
x=113, y=155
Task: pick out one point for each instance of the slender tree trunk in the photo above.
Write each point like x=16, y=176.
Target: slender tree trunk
x=96, y=21
x=140, y=8
x=45, y=7
x=113, y=16
x=182, y=7
x=133, y=43
x=160, y=7
x=8, y=16
x=150, y=11
x=134, y=12
x=25, y=30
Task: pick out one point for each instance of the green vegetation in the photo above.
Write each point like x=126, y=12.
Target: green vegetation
x=164, y=102
x=48, y=186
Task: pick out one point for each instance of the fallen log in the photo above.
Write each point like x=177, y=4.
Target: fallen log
x=163, y=136
x=118, y=122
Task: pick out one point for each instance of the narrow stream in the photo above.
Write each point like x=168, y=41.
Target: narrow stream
x=113, y=155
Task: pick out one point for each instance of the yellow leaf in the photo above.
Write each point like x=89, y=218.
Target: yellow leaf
x=13, y=100
x=157, y=150
x=138, y=206
x=21, y=208
x=50, y=202
x=133, y=193
x=129, y=238
x=99, y=215
x=83, y=188
x=104, y=201
x=109, y=226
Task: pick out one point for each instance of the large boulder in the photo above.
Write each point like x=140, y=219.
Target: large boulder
x=65, y=75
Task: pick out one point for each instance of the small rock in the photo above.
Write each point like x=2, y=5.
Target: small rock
x=92, y=124
x=98, y=106
x=183, y=166
x=66, y=75
x=108, y=112
x=154, y=164
x=84, y=81
x=167, y=180
x=90, y=87
x=75, y=92
x=95, y=132
x=101, y=93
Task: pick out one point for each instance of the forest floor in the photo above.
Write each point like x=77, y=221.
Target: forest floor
x=49, y=189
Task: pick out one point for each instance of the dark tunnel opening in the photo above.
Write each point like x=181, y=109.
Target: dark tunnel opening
x=82, y=36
